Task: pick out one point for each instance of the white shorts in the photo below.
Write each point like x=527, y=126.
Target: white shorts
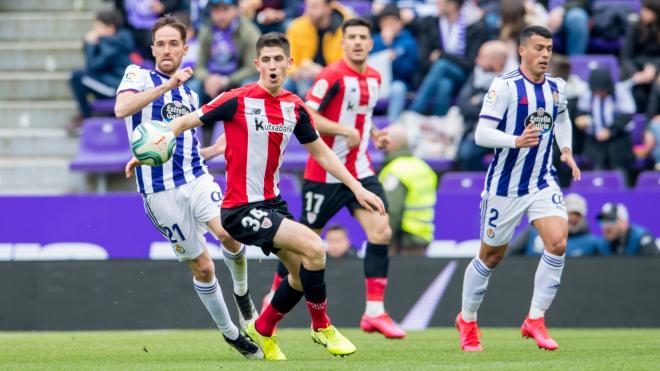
x=501, y=215
x=181, y=214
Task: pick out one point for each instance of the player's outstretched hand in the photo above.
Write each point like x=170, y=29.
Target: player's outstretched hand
x=130, y=166
x=370, y=201
x=567, y=158
x=529, y=137
x=352, y=138
x=179, y=77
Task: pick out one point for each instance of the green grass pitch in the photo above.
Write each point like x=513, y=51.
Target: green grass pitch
x=580, y=349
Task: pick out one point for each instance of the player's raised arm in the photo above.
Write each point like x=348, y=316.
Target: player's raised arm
x=131, y=100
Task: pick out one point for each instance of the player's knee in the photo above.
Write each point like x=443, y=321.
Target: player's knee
x=557, y=246
x=491, y=260
x=204, y=271
x=314, y=253
x=380, y=235
x=229, y=243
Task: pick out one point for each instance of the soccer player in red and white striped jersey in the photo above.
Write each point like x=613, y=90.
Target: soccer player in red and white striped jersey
x=259, y=121
x=342, y=100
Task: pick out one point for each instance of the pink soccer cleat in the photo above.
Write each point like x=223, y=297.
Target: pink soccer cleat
x=382, y=324
x=535, y=328
x=469, y=334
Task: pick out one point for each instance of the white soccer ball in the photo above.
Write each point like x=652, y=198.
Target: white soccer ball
x=152, y=143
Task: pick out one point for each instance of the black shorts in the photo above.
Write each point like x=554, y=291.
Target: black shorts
x=256, y=223
x=321, y=201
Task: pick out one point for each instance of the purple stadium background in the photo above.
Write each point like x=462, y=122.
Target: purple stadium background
x=118, y=224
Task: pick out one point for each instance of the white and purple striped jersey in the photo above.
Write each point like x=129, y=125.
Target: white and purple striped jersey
x=515, y=102
x=186, y=164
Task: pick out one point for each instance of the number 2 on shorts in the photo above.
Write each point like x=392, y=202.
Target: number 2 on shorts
x=494, y=214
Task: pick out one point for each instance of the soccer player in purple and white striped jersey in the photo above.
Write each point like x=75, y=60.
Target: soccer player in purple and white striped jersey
x=180, y=197
x=523, y=113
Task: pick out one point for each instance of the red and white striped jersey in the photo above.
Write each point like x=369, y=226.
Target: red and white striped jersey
x=348, y=97
x=258, y=127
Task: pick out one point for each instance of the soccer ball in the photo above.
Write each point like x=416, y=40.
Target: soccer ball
x=152, y=143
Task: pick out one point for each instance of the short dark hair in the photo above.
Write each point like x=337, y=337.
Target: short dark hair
x=274, y=39
x=169, y=20
x=530, y=31
x=353, y=22
x=110, y=18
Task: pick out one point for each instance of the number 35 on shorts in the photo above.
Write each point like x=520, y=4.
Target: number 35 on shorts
x=258, y=219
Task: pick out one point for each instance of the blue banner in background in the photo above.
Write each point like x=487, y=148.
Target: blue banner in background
x=115, y=226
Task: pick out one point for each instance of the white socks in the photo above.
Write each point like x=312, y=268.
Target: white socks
x=237, y=264
x=475, y=283
x=210, y=294
x=374, y=308
x=546, y=283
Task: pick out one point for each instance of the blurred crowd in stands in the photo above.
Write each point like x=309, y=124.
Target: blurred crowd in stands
x=437, y=59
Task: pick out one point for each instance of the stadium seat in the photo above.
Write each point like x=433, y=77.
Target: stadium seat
x=360, y=8
x=555, y=3
x=218, y=130
x=289, y=185
x=600, y=181
x=380, y=121
x=582, y=65
x=103, y=107
x=463, y=181
x=632, y=5
x=648, y=180
x=104, y=148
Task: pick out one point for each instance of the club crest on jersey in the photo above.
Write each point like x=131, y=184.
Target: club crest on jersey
x=172, y=110
x=311, y=217
x=540, y=119
x=179, y=249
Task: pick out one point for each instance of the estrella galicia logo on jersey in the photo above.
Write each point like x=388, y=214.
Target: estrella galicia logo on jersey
x=172, y=110
x=540, y=119
x=261, y=125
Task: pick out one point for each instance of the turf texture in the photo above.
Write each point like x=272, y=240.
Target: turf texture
x=504, y=349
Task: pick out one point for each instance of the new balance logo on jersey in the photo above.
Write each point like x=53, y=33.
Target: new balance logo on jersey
x=350, y=106
x=540, y=119
x=172, y=110
x=555, y=286
x=259, y=125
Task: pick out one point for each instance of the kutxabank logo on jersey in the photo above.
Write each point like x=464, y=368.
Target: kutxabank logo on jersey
x=172, y=110
x=260, y=124
x=540, y=119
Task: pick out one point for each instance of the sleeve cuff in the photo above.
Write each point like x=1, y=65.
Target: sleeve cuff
x=490, y=118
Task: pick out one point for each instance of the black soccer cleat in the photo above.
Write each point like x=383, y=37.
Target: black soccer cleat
x=245, y=346
x=246, y=309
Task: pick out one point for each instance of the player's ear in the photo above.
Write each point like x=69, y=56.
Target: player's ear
x=185, y=49
x=256, y=63
x=290, y=64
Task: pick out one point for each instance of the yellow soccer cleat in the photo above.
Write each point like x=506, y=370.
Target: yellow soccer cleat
x=267, y=344
x=336, y=343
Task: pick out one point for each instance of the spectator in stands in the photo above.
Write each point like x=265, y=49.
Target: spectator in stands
x=107, y=47
x=448, y=47
x=571, y=22
x=337, y=243
x=190, y=58
x=581, y=242
x=410, y=9
x=274, y=15
x=402, y=48
x=640, y=55
x=410, y=186
x=516, y=15
x=575, y=87
x=604, y=113
x=651, y=143
x=625, y=238
x=490, y=63
x=226, y=50
x=140, y=16
x=315, y=39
